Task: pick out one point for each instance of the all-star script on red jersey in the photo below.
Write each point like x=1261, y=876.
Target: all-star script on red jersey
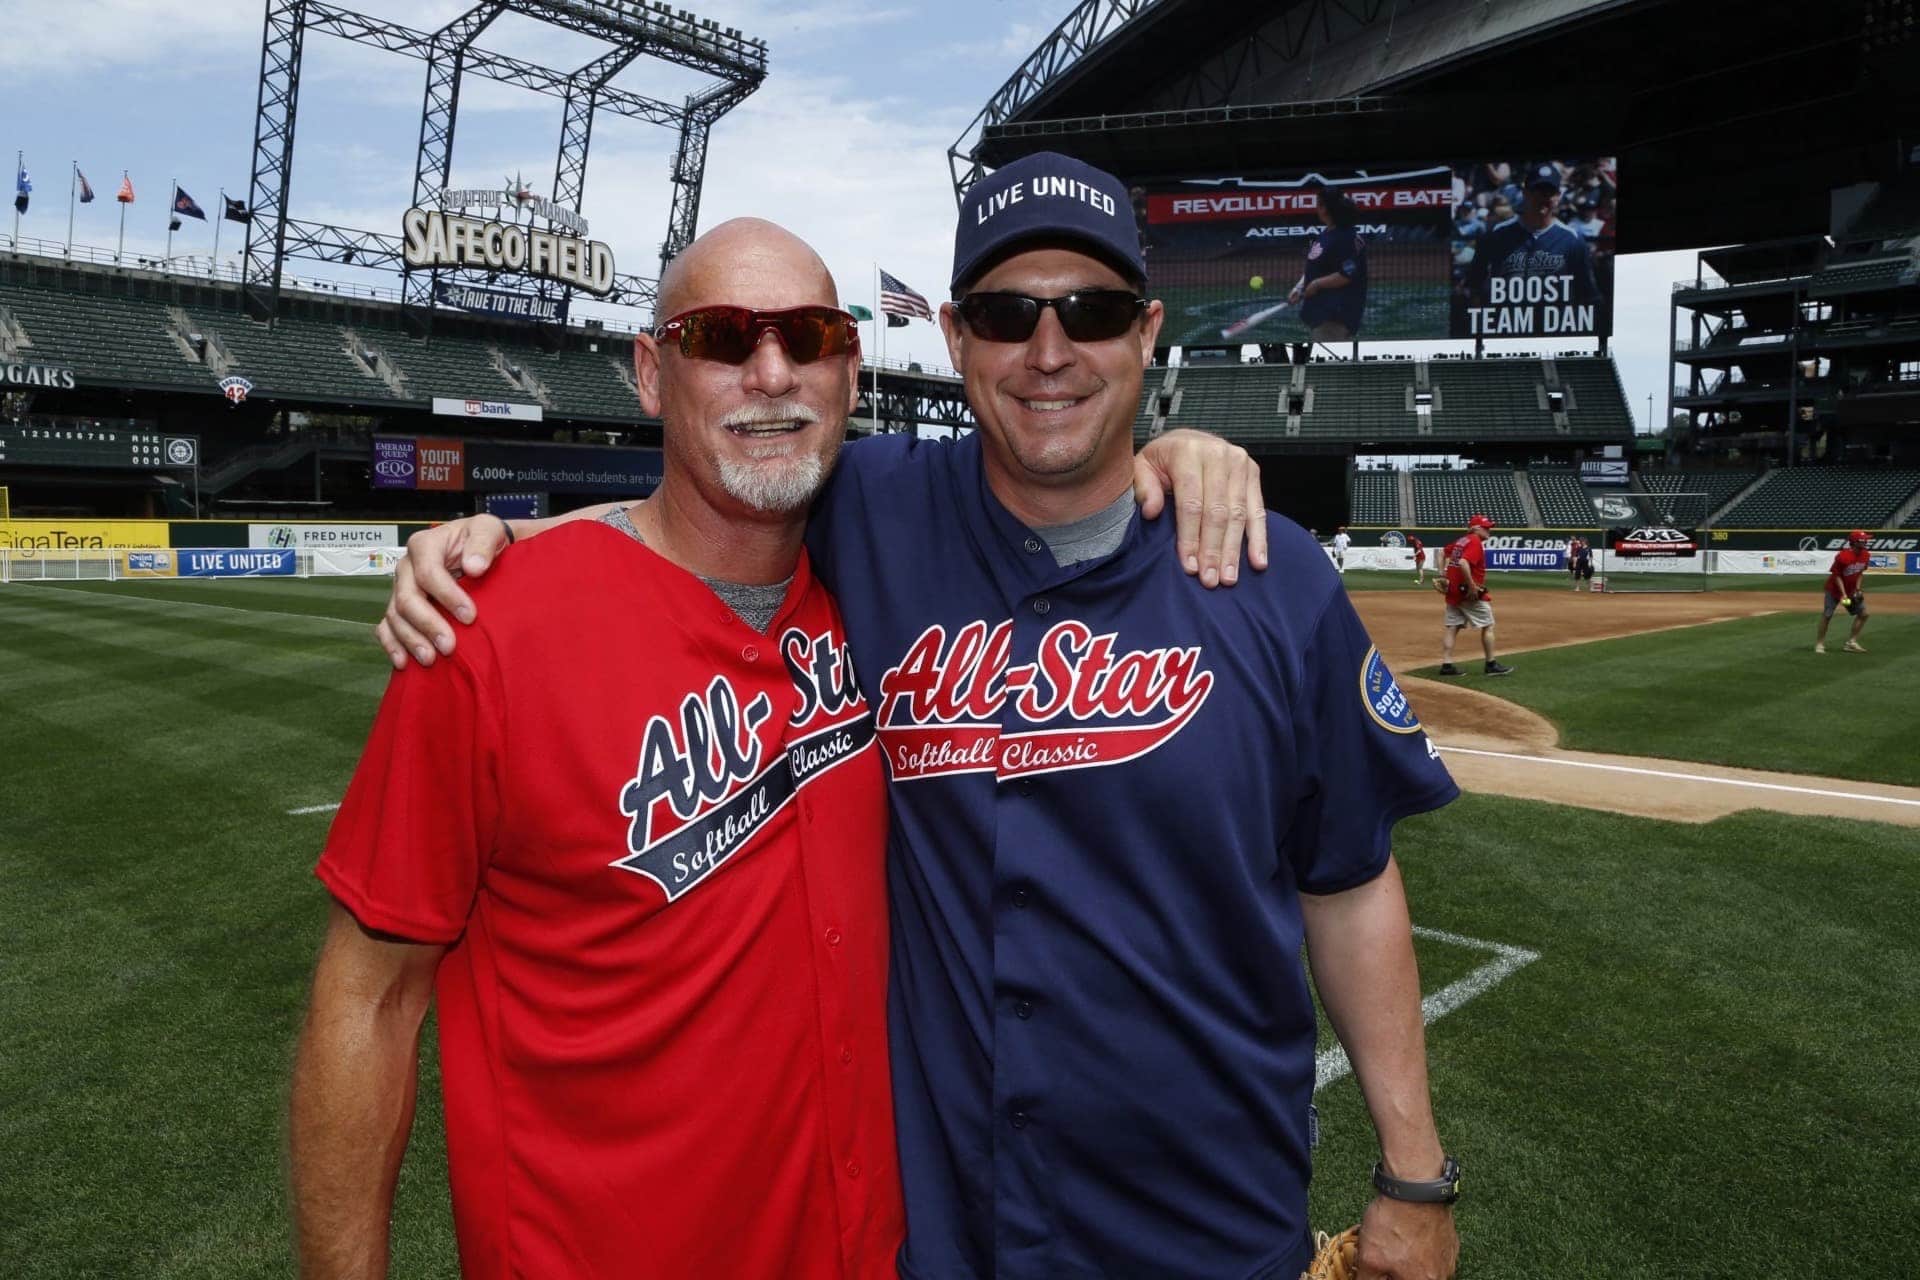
x=941, y=706
x=704, y=787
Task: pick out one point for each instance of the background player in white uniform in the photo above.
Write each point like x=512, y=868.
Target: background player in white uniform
x=1341, y=541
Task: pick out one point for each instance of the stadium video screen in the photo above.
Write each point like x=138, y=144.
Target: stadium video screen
x=1491, y=249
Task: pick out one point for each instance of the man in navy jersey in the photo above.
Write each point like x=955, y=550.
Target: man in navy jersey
x=1529, y=264
x=1332, y=290
x=1120, y=805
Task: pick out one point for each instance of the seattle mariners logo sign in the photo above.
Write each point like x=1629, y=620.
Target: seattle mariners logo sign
x=1381, y=692
x=710, y=781
x=940, y=708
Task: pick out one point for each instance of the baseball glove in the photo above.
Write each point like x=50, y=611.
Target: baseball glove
x=1333, y=1256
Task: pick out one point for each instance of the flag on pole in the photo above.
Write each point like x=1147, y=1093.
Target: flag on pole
x=895, y=320
x=86, y=188
x=184, y=206
x=125, y=195
x=237, y=210
x=897, y=299
x=22, y=188
x=859, y=312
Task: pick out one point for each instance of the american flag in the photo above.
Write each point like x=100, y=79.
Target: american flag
x=898, y=300
x=126, y=190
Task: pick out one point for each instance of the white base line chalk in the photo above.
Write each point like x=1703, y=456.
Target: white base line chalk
x=1332, y=1064
x=314, y=808
x=1686, y=777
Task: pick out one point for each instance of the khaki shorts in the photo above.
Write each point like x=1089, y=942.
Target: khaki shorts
x=1331, y=331
x=1475, y=613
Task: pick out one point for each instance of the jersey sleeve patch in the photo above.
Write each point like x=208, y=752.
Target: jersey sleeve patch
x=1381, y=693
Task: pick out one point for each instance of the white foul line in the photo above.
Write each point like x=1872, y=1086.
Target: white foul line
x=1332, y=1064
x=1685, y=777
x=315, y=808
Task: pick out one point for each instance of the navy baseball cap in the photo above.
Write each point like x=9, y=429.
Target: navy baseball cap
x=1047, y=196
x=1543, y=174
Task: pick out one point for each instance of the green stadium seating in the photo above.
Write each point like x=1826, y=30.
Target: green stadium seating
x=1370, y=401
x=295, y=357
x=1823, y=498
x=1376, y=497
x=1719, y=486
x=105, y=339
x=1444, y=499
x=1564, y=502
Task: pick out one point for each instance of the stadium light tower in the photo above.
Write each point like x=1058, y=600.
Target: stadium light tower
x=632, y=28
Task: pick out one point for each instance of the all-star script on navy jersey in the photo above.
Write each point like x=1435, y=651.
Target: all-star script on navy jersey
x=709, y=779
x=941, y=707
x=1110, y=788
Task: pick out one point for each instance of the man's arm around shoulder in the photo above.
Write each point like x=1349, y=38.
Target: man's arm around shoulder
x=353, y=1091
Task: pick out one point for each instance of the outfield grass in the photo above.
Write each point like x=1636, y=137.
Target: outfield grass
x=1750, y=692
x=1708, y=1072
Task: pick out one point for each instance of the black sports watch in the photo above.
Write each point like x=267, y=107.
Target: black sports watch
x=1444, y=1189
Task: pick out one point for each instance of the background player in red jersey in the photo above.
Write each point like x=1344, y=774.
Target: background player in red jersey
x=642, y=877
x=1419, y=550
x=1468, y=600
x=1844, y=590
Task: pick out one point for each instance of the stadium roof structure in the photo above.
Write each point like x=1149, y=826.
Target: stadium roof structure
x=1735, y=120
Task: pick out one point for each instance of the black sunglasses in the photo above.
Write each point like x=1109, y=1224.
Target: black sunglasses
x=1089, y=315
x=730, y=334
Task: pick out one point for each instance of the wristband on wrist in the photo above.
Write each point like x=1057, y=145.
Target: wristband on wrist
x=507, y=525
x=1444, y=1189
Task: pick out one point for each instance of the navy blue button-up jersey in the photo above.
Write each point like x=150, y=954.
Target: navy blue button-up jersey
x=1337, y=251
x=1109, y=788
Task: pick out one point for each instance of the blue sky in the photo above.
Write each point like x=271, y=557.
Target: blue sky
x=845, y=142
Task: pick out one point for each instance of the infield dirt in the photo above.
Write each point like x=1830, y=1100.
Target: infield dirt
x=1495, y=746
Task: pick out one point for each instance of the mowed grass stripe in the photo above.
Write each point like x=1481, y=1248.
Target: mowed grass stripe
x=1707, y=1069
x=158, y=921
x=1749, y=692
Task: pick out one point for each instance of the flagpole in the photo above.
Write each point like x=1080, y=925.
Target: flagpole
x=167, y=263
x=19, y=164
x=880, y=332
x=121, y=248
x=219, y=217
x=73, y=187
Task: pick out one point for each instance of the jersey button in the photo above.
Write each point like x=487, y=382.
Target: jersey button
x=1033, y=546
x=1024, y=1009
x=750, y=653
x=1021, y=898
x=1018, y=1119
x=833, y=937
x=853, y=1168
x=846, y=1056
x=1041, y=606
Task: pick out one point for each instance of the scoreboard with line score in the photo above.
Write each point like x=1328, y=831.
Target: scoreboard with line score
x=68, y=446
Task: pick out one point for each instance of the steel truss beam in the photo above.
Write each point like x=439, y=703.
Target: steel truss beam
x=690, y=162
x=633, y=26
x=1090, y=23
x=280, y=47
x=438, y=116
x=906, y=399
x=1280, y=39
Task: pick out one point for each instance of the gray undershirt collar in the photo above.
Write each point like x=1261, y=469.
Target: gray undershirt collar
x=754, y=603
x=1089, y=537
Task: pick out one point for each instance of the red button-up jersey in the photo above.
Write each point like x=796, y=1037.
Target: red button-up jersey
x=653, y=839
x=1846, y=571
x=1472, y=554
